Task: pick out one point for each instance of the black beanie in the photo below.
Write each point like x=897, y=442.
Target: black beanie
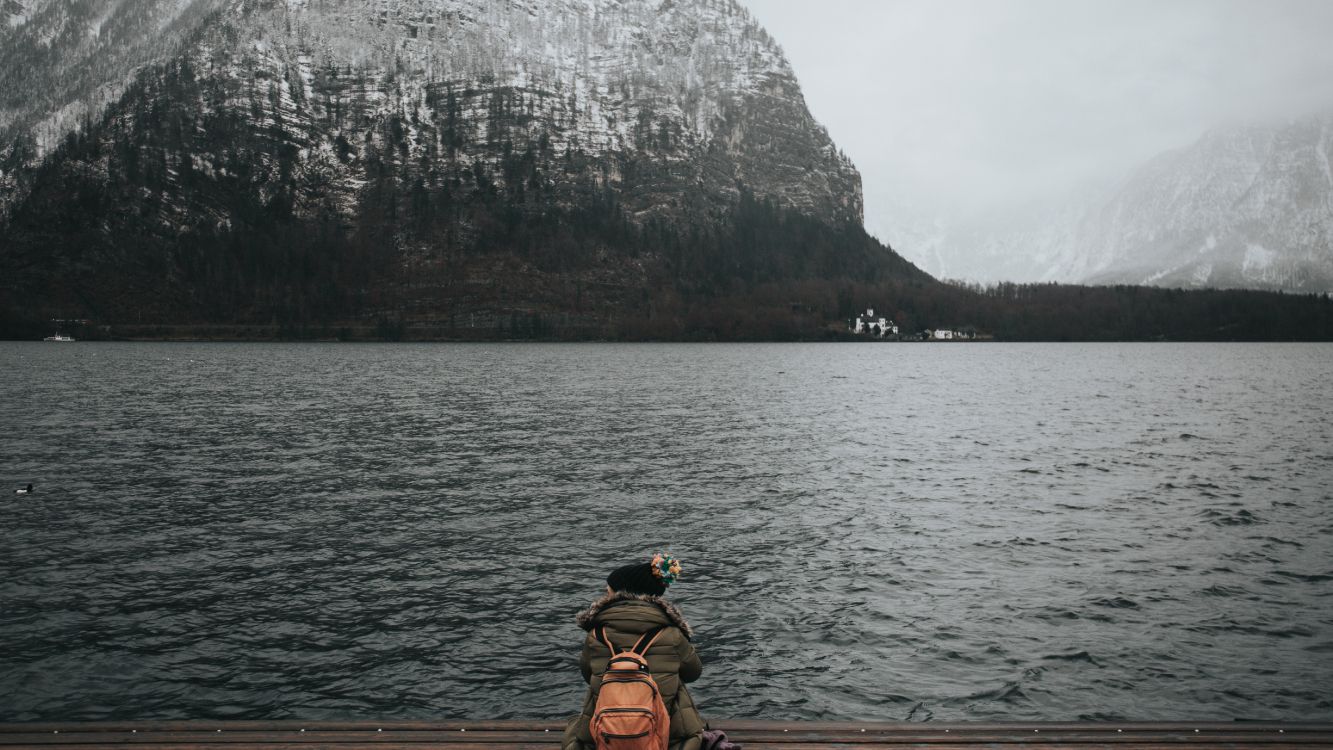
x=636, y=579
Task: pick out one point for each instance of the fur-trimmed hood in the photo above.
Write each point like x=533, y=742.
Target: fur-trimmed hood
x=587, y=619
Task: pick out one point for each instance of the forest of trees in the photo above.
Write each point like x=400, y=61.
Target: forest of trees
x=504, y=263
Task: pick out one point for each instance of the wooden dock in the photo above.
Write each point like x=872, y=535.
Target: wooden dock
x=754, y=735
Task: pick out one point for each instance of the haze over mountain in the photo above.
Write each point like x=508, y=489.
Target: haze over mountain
x=1243, y=207
x=985, y=130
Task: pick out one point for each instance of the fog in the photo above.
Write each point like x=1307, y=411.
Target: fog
x=959, y=107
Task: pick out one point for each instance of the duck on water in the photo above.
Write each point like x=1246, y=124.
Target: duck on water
x=24, y=490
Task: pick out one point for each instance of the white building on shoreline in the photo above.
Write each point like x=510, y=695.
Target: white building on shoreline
x=874, y=325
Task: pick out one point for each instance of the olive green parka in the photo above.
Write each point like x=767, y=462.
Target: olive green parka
x=672, y=661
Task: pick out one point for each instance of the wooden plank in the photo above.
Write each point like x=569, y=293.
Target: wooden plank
x=756, y=746
x=754, y=735
x=288, y=737
x=733, y=725
x=280, y=725
x=1147, y=745
x=315, y=746
x=1030, y=738
x=975, y=746
x=495, y=738
x=876, y=736
x=1006, y=727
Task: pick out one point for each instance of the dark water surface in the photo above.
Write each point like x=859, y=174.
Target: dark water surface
x=886, y=532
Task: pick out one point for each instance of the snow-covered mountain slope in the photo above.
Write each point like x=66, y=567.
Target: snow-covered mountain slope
x=695, y=90
x=1243, y=207
x=63, y=61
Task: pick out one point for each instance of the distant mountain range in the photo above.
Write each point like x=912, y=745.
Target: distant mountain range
x=1243, y=207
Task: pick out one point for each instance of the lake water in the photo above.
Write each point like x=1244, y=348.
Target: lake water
x=965, y=531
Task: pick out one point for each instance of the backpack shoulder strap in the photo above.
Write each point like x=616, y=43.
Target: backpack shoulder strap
x=647, y=640
x=600, y=633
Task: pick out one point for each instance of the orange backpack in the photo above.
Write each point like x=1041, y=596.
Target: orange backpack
x=630, y=714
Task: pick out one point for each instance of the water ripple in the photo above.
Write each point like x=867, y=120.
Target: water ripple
x=885, y=532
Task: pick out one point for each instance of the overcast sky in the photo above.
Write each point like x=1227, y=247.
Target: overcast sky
x=970, y=104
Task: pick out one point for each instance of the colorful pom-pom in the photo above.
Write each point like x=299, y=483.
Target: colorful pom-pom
x=666, y=568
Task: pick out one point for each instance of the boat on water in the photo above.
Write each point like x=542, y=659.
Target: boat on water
x=58, y=337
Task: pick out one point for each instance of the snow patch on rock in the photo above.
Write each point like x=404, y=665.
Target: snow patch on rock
x=1257, y=258
x=1202, y=274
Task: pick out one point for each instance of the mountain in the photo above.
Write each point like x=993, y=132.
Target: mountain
x=63, y=61
x=1243, y=207
x=279, y=160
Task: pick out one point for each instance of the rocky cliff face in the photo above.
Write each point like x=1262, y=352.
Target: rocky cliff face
x=679, y=100
x=406, y=140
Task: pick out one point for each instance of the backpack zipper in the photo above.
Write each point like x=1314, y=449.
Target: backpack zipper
x=607, y=736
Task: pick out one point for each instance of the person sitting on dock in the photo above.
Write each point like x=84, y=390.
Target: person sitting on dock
x=633, y=613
